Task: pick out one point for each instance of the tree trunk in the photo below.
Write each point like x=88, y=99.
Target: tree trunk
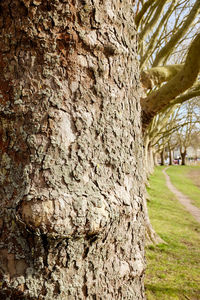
x=148, y=157
x=72, y=215
x=150, y=160
x=155, y=158
x=152, y=238
x=183, y=158
x=170, y=157
x=146, y=147
x=162, y=157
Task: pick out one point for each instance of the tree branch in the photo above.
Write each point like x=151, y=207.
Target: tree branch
x=191, y=93
x=156, y=76
x=145, y=7
x=159, y=100
x=154, y=20
x=154, y=37
x=168, y=48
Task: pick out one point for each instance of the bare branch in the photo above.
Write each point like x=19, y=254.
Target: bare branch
x=156, y=34
x=159, y=99
x=168, y=48
x=143, y=11
x=191, y=93
x=154, y=20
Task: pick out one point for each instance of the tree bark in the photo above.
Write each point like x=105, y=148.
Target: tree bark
x=170, y=157
x=148, y=158
x=72, y=215
x=150, y=161
x=152, y=238
x=155, y=159
x=162, y=157
x=183, y=158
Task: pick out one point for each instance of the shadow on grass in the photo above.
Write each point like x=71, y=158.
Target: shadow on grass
x=177, y=292
x=165, y=290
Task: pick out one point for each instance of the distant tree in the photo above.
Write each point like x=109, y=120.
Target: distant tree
x=184, y=135
x=195, y=141
x=165, y=28
x=179, y=122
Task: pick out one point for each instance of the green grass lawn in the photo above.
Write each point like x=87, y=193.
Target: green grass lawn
x=179, y=178
x=173, y=269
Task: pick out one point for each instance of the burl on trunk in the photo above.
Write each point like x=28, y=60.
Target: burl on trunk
x=71, y=218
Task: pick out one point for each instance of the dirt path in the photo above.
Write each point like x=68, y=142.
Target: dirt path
x=184, y=200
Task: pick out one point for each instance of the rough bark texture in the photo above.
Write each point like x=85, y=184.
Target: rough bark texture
x=71, y=218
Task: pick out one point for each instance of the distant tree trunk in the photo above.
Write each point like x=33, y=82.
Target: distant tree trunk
x=183, y=157
x=155, y=158
x=152, y=238
x=170, y=157
x=151, y=160
x=72, y=181
x=146, y=148
x=162, y=157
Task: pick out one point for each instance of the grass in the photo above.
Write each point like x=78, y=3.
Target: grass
x=179, y=176
x=173, y=269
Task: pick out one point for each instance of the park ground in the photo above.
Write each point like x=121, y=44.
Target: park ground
x=173, y=268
